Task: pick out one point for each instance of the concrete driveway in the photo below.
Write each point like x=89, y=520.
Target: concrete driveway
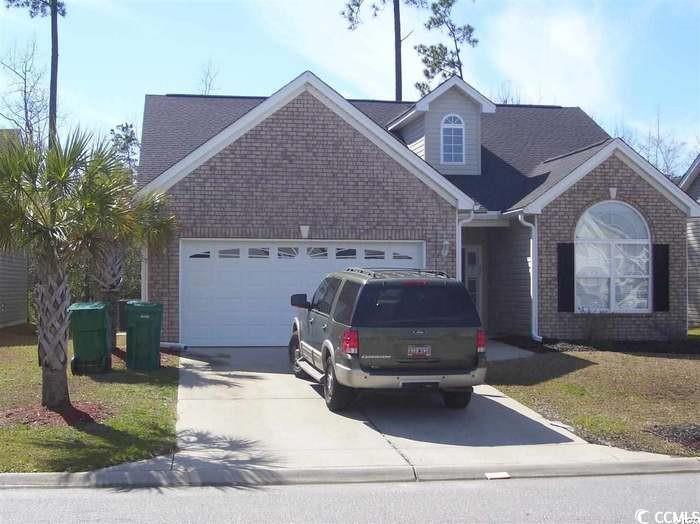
x=242, y=412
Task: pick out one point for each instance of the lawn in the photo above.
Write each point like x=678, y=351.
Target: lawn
x=647, y=402
x=138, y=408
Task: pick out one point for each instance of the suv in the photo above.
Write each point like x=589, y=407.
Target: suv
x=389, y=329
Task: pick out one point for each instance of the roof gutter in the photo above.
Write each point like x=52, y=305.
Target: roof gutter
x=534, y=276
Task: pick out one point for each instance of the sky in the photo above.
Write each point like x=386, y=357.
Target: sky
x=625, y=62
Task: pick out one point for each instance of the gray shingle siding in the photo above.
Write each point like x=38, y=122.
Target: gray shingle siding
x=413, y=134
x=13, y=289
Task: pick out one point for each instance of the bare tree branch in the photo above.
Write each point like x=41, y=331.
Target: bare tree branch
x=208, y=79
x=25, y=101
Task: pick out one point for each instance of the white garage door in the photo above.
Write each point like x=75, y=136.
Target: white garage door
x=236, y=293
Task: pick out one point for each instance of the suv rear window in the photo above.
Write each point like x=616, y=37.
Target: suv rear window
x=415, y=304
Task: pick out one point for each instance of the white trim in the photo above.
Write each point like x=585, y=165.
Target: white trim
x=144, y=273
x=312, y=84
x=691, y=174
x=444, y=125
x=534, y=276
x=612, y=297
x=486, y=105
x=632, y=159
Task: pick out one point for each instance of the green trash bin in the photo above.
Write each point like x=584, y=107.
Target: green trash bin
x=143, y=320
x=88, y=328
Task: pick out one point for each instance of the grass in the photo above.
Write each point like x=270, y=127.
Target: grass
x=141, y=405
x=623, y=399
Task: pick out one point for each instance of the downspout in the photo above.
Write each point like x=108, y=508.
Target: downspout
x=534, y=277
x=458, y=243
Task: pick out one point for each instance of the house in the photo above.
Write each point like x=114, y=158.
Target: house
x=557, y=229
x=690, y=183
x=13, y=272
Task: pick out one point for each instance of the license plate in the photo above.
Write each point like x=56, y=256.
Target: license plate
x=419, y=351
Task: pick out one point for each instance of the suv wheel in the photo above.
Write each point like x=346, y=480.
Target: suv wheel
x=294, y=356
x=337, y=396
x=456, y=399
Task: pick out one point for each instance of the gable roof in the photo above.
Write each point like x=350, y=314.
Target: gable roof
x=564, y=171
x=308, y=82
x=423, y=105
x=690, y=175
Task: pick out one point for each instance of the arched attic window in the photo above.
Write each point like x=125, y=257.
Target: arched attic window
x=452, y=140
x=612, y=260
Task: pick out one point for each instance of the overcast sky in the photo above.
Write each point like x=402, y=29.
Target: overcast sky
x=622, y=61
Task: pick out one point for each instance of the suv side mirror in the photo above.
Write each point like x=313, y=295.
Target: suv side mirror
x=300, y=300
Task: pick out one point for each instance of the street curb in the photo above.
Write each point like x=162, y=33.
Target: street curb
x=213, y=476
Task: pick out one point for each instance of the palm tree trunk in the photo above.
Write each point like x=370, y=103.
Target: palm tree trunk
x=53, y=85
x=53, y=299
x=109, y=262
x=397, y=48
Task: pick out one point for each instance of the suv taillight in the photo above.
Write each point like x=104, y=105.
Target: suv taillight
x=480, y=341
x=350, y=342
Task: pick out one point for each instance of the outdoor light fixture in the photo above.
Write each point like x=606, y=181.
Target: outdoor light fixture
x=445, y=248
x=304, y=231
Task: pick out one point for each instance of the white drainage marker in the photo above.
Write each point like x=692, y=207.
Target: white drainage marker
x=497, y=475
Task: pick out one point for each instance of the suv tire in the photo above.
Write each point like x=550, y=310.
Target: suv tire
x=294, y=355
x=337, y=396
x=456, y=399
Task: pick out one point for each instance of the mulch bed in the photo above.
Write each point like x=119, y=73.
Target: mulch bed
x=33, y=415
x=690, y=346
x=688, y=435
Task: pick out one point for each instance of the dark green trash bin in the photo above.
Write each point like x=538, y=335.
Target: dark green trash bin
x=88, y=328
x=143, y=321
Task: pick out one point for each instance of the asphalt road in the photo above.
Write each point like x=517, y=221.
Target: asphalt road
x=585, y=499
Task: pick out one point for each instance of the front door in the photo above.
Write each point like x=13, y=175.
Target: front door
x=472, y=275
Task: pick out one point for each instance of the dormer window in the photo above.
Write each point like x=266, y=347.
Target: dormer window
x=452, y=140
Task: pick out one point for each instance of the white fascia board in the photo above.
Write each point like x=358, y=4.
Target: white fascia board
x=632, y=159
x=486, y=105
x=335, y=102
x=404, y=119
x=691, y=174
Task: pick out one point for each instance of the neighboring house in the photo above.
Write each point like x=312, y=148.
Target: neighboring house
x=557, y=229
x=13, y=272
x=691, y=184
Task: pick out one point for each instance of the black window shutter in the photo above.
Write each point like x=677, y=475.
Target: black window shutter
x=565, y=276
x=660, y=277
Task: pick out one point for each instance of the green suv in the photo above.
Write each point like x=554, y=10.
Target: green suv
x=389, y=329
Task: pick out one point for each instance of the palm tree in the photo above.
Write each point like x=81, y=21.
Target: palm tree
x=54, y=203
x=115, y=220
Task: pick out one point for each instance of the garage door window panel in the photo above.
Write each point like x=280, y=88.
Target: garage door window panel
x=259, y=252
x=317, y=252
x=201, y=254
x=230, y=253
x=287, y=252
x=345, y=253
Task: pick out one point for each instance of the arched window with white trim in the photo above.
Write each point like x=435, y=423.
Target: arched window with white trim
x=612, y=260
x=452, y=140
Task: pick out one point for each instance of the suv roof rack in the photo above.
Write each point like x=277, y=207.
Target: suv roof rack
x=384, y=272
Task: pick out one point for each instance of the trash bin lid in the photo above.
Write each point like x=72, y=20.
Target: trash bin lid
x=143, y=305
x=87, y=306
